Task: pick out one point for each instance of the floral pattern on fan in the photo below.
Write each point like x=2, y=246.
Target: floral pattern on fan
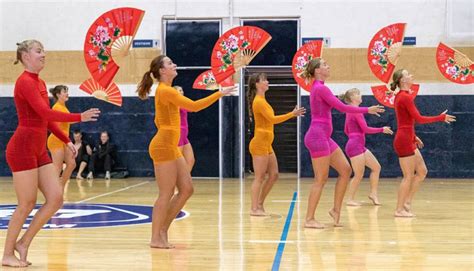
x=379, y=52
x=231, y=47
x=455, y=71
x=207, y=79
x=102, y=43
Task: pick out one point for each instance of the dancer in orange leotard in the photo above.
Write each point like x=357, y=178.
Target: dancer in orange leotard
x=59, y=151
x=263, y=156
x=27, y=156
x=170, y=167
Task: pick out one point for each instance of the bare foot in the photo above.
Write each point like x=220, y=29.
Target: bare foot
x=335, y=215
x=407, y=206
x=13, y=261
x=403, y=213
x=313, y=224
x=353, y=203
x=374, y=199
x=23, y=251
x=161, y=245
x=258, y=212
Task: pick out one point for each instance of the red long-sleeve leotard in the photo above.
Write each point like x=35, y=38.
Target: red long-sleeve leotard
x=407, y=114
x=27, y=147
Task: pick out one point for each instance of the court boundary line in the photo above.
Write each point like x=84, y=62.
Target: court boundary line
x=112, y=192
x=284, y=234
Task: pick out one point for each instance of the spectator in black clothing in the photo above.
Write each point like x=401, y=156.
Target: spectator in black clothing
x=84, y=151
x=103, y=158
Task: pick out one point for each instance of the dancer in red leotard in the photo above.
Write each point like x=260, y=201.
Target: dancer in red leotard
x=405, y=143
x=27, y=156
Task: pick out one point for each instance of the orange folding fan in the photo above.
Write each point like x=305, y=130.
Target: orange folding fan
x=235, y=49
x=386, y=97
x=308, y=51
x=384, y=50
x=111, y=94
x=206, y=80
x=108, y=40
x=454, y=65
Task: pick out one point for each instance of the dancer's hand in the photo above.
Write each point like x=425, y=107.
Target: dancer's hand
x=448, y=118
x=387, y=130
x=419, y=143
x=73, y=149
x=376, y=109
x=298, y=111
x=228, y=90
x=90, y=115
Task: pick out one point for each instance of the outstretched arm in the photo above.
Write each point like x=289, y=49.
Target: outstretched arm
x=179, y=100
x=31, y=94
x=363, y=125
x=413, y=111
x=267, y=112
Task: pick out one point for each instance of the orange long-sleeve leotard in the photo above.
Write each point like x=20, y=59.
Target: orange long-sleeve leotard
x=54, y=143
x=164, y=145
x=264, y=116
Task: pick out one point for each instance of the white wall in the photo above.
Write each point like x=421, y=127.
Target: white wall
x=61, y=25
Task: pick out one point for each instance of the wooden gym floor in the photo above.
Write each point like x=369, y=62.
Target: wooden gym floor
x=219, y=234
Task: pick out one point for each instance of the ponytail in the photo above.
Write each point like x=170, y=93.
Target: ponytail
x=145, y=85
x=347, y=96
x=252, y=89
x=313, y=64
x=56, y=91
x=396, y=78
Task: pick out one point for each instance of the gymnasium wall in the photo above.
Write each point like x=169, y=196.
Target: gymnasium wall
x=61, y=26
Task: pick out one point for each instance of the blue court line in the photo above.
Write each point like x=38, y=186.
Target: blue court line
x=284, y=234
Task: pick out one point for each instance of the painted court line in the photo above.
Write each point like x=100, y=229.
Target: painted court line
x=112, y=192
x=284, y=235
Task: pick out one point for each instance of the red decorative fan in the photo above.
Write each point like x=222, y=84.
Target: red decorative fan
x=111, y=94
x=235, y=49
x=384, y=50
x=206, y=80
x=308, y=51
x=387, y=97
x=108, y=41
x=454, y=65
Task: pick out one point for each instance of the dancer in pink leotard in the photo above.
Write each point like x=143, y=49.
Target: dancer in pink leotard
x=324, y=151
x=184, y=145
x=356, y=128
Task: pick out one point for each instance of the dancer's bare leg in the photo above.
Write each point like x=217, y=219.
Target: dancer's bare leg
x=407, y=164
x=26, y=189
x=321, y=173
x=341, y=165
x=166, y=174
x=420, y=175
x=185, y=191
x=272, y=179
x=51, y=188
x=260, y=166
x=375, y=168
x=358, y=165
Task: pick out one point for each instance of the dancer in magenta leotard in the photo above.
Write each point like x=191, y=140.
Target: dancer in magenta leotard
x=356, y=128
x=324, y=151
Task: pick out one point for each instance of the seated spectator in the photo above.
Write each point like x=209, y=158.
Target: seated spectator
x=103, y=157
x=84, y=151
